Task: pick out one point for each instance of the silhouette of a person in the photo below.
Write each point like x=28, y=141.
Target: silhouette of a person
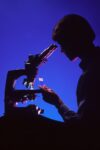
x=76, y=37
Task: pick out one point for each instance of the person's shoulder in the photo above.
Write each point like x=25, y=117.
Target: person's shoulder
x=96, y=53
x=95, y=59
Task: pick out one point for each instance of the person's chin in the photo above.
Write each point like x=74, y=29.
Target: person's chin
x=72, y=58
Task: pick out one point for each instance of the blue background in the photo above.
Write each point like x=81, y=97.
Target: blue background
x=25, y=28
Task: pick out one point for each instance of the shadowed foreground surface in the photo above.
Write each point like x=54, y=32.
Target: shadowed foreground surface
x=23, y=131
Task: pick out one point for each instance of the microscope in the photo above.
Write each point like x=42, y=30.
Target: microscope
x=13, y=95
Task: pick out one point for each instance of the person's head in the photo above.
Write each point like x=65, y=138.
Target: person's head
x=74, y=34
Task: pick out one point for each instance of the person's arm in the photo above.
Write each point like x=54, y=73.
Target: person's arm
x=67, y=114
x=51, y=97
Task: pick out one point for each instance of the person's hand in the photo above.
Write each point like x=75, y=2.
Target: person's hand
x=50, y=96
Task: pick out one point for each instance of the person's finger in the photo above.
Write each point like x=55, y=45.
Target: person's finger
x=42, y=86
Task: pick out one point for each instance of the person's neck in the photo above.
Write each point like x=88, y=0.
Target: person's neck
x=86, y=51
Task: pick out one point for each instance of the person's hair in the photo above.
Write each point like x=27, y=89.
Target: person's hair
x=73, y=26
